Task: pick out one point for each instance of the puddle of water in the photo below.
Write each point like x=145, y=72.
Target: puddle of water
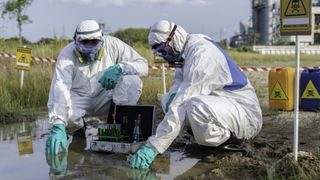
x=22, y=152
x=20, y=163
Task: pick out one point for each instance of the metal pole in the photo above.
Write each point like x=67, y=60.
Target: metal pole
x=21, y=79
x=296, y=100
x=164, y=79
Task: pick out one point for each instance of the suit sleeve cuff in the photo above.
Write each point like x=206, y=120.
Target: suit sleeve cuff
x=58, y=121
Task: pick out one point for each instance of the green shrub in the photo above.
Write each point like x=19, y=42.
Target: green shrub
x=133, y=35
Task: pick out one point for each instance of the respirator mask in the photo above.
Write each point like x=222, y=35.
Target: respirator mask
x=165, y=51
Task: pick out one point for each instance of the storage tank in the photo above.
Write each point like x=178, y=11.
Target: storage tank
x=263, y=19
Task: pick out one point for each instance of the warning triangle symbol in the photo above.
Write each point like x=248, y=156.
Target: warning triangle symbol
x=277, y=93
x=310, y=92
x=295, y=8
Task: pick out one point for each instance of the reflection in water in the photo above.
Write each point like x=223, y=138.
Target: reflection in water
x=22, y=150
x=8, y=132
x=79, y=162
x=89, y=165
x=161, y=164
x=93, y=165
x=58, y=163
x=179, y=164
x=24, y=140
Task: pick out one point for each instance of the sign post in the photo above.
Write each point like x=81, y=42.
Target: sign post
x=296, y=20
x=164, y=78
x=23, y=61
x=163, y=70
x=296, y=101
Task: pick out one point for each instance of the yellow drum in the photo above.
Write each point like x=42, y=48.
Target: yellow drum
x=281, y=88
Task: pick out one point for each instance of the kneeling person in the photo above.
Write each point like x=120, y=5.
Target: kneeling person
x=90, y=73
x=209, y=91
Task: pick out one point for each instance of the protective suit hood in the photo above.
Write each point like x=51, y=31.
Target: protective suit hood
x=159, y=32
x=88, y=29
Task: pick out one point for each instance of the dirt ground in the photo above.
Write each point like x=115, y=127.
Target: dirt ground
x=270, y=153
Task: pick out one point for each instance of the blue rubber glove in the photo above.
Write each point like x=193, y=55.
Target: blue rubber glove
x=110, y=77
x=169, y=101
x=143, y=157
x=57, y=138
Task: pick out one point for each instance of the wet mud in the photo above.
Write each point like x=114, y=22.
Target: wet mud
x=269, y=154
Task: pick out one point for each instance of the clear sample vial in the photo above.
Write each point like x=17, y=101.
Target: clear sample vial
x=137, y=133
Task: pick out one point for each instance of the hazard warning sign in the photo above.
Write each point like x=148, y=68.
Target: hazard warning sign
x=310, y=92
x=295, y=17
x=295, y=8
x=23, y=58
x=278, y=93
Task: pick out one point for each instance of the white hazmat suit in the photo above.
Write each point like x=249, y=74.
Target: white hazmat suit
x=75, y=90
x=212, y=94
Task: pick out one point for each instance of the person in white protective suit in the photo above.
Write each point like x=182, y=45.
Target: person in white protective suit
x=90, y=73
x=209, y=93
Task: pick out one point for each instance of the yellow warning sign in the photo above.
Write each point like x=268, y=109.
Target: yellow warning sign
x=278, y=93
x=295, y=17
x=296, y=8
x=23, y=58
x=310, y=92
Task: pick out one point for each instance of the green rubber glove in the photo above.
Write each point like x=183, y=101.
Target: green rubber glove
x=143, y=158
x=169, y=101
x=58, y=164
x=110, y=77
x=57, y=138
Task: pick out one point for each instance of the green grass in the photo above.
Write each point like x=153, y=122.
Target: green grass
x=34, y=95
x=39, y=50
x=152, y=86
x=35, y=89
x=249, y=59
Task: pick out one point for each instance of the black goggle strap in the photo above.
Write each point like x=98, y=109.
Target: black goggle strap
x=86, y=32
x=171, y=35
x=89, y=32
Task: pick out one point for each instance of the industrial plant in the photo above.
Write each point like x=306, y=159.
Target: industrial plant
x=263, y=27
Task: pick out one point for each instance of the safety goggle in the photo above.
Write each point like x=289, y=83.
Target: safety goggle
x=84, y=48
x=162, y=49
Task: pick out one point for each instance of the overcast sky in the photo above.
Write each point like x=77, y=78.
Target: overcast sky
x=216, y=18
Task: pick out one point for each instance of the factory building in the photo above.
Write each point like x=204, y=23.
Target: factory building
x=263, y=26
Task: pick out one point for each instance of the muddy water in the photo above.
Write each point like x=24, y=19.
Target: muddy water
x=22, y=156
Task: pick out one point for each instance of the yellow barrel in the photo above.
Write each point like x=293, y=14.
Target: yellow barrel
x=281, y=88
